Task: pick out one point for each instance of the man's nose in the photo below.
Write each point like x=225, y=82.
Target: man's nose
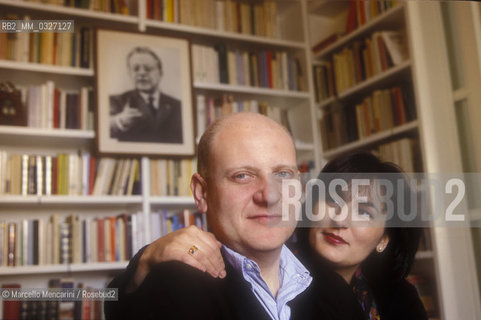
x=267, y=192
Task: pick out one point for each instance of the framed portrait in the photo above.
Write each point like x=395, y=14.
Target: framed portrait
x=144, y=94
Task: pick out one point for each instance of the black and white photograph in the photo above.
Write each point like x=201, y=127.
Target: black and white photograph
x=144, y=96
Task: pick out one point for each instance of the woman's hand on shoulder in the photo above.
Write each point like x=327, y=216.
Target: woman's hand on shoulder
x=189, y=245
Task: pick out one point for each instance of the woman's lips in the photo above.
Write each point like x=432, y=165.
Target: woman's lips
x=334, y=239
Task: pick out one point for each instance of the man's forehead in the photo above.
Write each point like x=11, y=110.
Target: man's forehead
x=142, y=57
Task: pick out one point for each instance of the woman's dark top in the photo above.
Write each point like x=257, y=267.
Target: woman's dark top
x=394, y=300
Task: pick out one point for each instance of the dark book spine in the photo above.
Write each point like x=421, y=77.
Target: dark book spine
x=222, y=61
x=84, y=241
x=128, y=236
x=32, y=175
x=72, y=121
x=85, y=47
x=35, y=242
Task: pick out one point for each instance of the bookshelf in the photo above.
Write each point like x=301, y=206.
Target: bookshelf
x=449, y=265
x=37, y=67
x=67, y=268
x=363, y=83
x=253, y=91
x=372, y=140
x=290, y=37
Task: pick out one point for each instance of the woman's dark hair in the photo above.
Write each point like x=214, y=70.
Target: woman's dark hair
x=395, y=262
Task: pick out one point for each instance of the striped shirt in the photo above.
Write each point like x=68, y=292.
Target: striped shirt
x=294, y=279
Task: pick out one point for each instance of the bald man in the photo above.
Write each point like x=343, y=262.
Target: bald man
x=237, y=155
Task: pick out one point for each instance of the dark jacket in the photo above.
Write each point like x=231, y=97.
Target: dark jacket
x=395, y=300
x=163, y=126
x=174, y=290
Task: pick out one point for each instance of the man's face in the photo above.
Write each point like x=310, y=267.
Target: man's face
x=243, y=156
x=145, y=72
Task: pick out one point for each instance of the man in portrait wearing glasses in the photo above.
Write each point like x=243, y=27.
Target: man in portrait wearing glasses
x=145, y=114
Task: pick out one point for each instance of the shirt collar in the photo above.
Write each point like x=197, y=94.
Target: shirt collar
x=155, y=95
x=290, y=268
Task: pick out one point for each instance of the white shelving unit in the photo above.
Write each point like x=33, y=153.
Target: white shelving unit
x=451, y=262
x=220, y=87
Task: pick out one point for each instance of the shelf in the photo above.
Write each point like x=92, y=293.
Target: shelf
x=327, y=8
x=46, y=68
x=304, y=146
x=250, y=90
x=63, y=268
x=376, y=80
x=91, y=14
x=422, y=255
x=325, y=103
x=172, y=201
x=212, y=33
x=388, y=18
x=373, y=139
x=64, y=200
x=369, y=84
x=48, y=133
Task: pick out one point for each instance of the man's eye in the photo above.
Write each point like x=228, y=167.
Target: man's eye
x=241, y=176
x=284, y=174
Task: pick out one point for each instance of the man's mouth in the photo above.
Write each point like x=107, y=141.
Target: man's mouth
x=265, y=218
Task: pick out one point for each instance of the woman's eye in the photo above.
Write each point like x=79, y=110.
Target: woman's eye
x=365, y=213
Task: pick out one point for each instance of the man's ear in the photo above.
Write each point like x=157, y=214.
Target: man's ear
x=199, y=190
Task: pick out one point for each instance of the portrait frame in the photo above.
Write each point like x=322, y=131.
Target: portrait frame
x=122, y=86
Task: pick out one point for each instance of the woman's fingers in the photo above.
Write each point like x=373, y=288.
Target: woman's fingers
x=186, y=245
x=208, y=253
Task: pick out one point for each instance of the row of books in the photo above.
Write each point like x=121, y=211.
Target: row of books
x=401, y=152
x=113, y=6
x=70, y=239
x=248, y=17
x=361, y=12
x=266, y=69
x=67, y=174
x=365, y=59
x=53, y=310
x=61, y=49
x=167, y=221
x=171, y=177
x=382, y=110
x=50, y=107
x=324, y=85
x=211, y=108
